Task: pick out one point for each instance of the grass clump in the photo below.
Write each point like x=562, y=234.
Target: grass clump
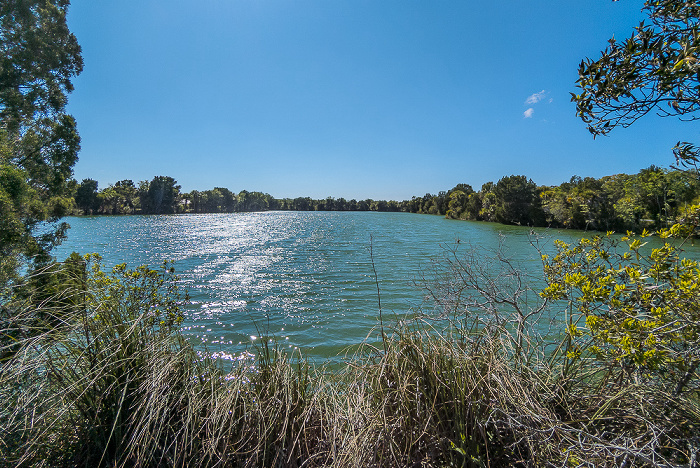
x=109, y=380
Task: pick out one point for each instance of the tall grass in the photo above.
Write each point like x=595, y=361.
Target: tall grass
x=112, y=382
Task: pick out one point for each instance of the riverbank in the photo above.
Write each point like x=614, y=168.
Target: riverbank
x=653, y=198
x=114, y=383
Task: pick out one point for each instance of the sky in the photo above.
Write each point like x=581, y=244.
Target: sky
x=382, y=99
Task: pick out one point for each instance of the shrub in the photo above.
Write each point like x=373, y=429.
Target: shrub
x=631, y=309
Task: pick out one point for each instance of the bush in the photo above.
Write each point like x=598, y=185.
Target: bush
x=635, y=312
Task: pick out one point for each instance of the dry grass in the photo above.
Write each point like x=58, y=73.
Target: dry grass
x=111, y=386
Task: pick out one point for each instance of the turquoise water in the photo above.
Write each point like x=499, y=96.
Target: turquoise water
x=305, y=278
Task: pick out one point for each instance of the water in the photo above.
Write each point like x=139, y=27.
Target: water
x=306, y=278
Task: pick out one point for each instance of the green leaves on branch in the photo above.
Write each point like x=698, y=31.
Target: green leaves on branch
x=632, y=307
x=655, y=69
x=687, y=156
x=150, y=296
x=40, y=57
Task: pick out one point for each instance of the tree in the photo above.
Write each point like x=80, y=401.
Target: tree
x=255, y=201
x=109, y=200
x=127, y=195
x=160, y=195
x=473, y=207
x=488, y=202
x=228, y=200
x=38, y=141
x=656, y=69
x=86, y=196
x=517, y=201
x=40, y=56
x=302, y=204
x=414, y=204
x=196, y=198
x=458, y=199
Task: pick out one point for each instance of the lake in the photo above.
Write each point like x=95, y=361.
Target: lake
x=306, y=278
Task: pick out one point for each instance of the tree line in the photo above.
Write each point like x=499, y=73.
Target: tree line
x=653, y=198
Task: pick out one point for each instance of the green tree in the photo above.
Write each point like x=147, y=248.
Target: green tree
x=109, y=200
x=632, y=310
x=488, y=202
x=555, y=203
x=302, y=204
x=161, y=195
x=473, y=207
x=196, y=201
x=228, y=200
x=441, y=202
x=517, y=201
x=127, y=193
x=38, y=142
x=430, y=204
x=273, y=203
x=257, y=201
x=327, y=205
x=86, y=196
x=414, y=204
x=212, y=201
x=577, y=204
x=458, y=200
x=379, y=205
x=457, y=204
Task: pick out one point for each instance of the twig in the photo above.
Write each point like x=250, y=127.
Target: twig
x=379, y=296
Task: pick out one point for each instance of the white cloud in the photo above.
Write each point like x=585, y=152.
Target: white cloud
x=535, y=98
x=528, y=113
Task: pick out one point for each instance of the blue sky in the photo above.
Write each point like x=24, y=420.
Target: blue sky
x=356, y=99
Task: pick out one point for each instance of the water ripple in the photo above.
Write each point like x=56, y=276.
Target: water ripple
x=305, y=278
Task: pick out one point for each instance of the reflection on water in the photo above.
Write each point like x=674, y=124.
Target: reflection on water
x=305, y=278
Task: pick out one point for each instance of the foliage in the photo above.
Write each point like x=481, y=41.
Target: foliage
x=517, y=201
x=160, y=195
x=125, y=196
x=632, y=310
x=17, y=199
x=565, y=408
x=38, y=141
x=466, y=384
x=652, y=198
x=656, y=69
x=86, y=196
x=89, y=372
x=40, y=56
x=640, y=308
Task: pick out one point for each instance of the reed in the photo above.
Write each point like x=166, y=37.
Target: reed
x=113, y=382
